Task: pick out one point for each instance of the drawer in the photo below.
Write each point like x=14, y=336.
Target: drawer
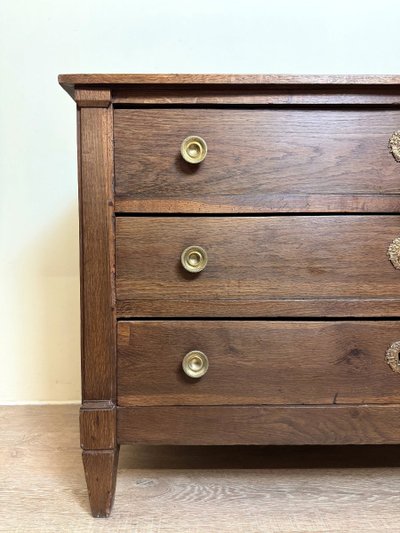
x=257, y=362
x=258, y=266
x=258, y=160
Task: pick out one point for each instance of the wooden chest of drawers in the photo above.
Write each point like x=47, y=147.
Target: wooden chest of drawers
x=240, y=256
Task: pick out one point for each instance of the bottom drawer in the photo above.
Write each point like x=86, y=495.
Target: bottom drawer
x=257, y=362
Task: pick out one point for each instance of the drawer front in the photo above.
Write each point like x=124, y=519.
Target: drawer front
x=257, y=362
x=258, y=160
x=300, y=263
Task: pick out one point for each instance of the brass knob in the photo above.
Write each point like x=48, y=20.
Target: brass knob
x=194, y=259
x=195, y=364
x=194, y=149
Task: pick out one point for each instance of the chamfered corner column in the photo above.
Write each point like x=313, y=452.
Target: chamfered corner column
x=98, y=319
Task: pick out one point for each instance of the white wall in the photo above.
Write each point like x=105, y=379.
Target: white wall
x=39, y=323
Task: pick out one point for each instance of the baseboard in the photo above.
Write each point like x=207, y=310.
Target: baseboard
x=41, y=402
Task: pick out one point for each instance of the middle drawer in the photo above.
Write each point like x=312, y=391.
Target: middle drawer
x=257, y=266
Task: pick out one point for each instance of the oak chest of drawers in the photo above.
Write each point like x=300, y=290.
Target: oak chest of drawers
x=240, y=256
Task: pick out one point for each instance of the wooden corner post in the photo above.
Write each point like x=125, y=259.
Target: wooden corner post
x=98, y=320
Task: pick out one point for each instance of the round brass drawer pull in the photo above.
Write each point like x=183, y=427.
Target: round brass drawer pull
x=194, y=259
x=194, y=149
x=195, y=364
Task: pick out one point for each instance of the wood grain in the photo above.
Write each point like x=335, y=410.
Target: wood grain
x=98, y=321
x=252, y=258
x=271, y=95
x=257, y=159
x=239, y=489
x=260, y=308
x=97, y=254
x=252, y=79
x=101, y=474
x=226, y=82
x=203, y=425
x=257, y=362
x=87, y=97
x=97, y=425
x=274, y=203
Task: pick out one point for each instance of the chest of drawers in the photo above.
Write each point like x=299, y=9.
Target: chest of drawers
x=240, y=256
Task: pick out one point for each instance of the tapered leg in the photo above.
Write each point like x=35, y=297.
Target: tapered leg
x=101, y=473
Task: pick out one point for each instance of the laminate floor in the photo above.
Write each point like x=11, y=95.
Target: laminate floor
x=191, y=489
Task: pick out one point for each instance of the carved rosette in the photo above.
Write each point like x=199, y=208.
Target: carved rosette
x=392, y=356
x=394, y=145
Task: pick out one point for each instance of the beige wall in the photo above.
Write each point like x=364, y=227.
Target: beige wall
x=39, y=336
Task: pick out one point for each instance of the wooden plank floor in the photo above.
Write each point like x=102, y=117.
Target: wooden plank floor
x=191, y=489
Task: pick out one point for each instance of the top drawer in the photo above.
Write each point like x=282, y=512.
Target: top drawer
x=258, y=160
